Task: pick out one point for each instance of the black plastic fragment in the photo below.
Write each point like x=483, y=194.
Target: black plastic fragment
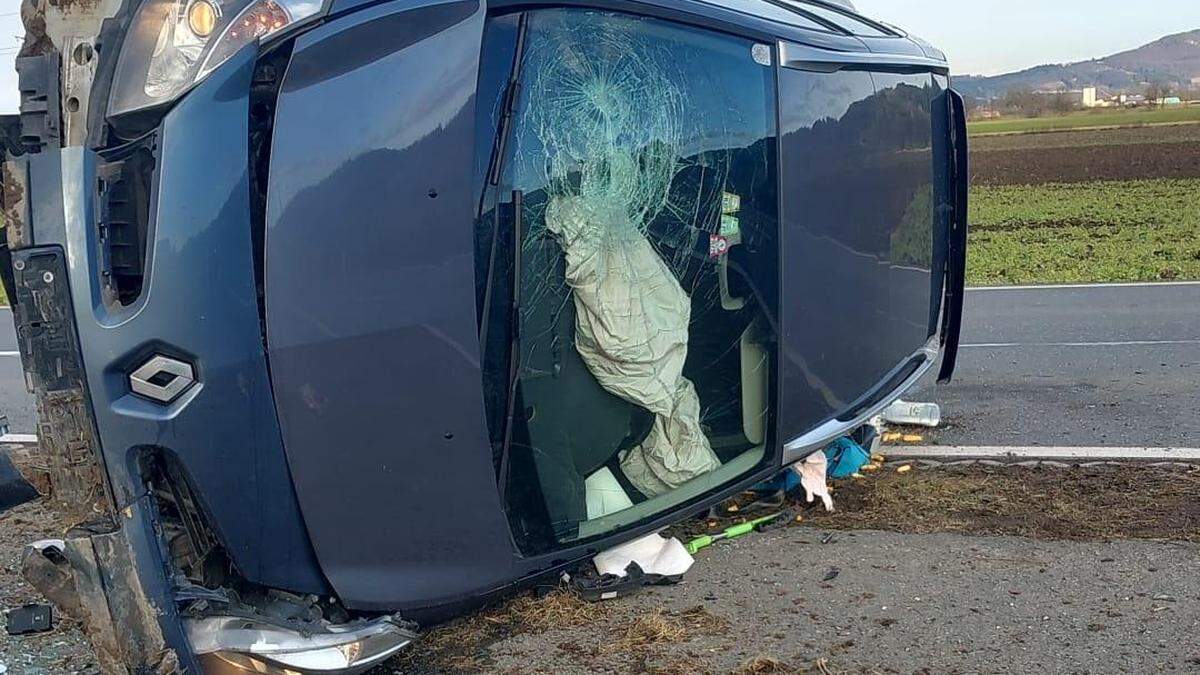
x=611, y=586
x=29, y=619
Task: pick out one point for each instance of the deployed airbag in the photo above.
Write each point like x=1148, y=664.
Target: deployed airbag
x=632, y=330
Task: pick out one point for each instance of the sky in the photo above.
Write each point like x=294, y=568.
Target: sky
x=984, y=37
x=989, y=37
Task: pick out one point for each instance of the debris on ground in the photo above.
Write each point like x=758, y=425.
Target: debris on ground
x=662, y=626
x=845, y=458
x=62, y=649
x=762, y=665
x=31, y=618
x=1043, y=503
x=913, y=414
x=461, y=645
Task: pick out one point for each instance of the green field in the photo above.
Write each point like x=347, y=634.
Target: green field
x=1146, y=230
x=1092, y=118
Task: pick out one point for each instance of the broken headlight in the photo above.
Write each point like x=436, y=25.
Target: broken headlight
x=173, y=44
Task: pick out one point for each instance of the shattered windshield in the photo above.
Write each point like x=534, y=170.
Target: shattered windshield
x=628, y=247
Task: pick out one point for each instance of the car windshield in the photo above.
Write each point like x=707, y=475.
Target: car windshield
x=632, y=233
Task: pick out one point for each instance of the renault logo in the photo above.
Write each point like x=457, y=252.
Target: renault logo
x=162, y=378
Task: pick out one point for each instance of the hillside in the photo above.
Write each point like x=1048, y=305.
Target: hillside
x=1173, y=60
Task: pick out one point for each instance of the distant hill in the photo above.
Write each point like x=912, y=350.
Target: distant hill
x=1173, y=60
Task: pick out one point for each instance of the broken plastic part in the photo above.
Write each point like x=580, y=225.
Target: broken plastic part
x=29, y=619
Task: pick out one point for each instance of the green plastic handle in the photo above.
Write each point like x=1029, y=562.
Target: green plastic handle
x=698, y=543
x=740, y=529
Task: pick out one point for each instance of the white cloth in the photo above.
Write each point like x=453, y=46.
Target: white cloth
x=812, y=470
x=631, y=329
x=654, y=553
x=604, y=494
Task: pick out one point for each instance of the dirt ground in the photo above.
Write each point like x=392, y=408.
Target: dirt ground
x=704, y=625
x=1076, y=139
x=62, y=650
x=1034, y=166
x=1132, y=153
x=1076, y=504
x=949, y=569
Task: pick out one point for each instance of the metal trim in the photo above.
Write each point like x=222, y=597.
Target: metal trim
x=804, y=57
x=830, y=430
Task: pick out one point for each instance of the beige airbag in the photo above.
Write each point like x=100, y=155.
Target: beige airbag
x=631, y=330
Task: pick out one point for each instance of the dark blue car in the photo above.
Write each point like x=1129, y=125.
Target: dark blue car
x=347, y=314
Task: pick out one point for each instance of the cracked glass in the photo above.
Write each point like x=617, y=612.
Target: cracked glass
x=628, y=272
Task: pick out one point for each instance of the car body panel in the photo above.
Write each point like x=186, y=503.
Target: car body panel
x=857, y=151
x=370, y=306
x=223, y=430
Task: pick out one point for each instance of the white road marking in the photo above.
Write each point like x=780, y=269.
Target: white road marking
x=10, y=353
x=19, y=438
x=1041, y=287
x=1123, y=343
x=1089, y=454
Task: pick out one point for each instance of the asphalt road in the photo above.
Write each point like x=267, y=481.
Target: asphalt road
x=903, y=603
x=15, y=402
x=1082, y=366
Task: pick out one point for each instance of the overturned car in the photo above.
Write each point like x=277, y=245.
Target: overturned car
x=350, y=314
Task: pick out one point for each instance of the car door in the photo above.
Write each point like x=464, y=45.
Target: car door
x=867, y=216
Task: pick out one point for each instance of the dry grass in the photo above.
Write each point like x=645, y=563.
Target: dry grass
x=1044, y=502
x=649, y=629
x=460, y=645
x=760, y=665
x=763, y=665
x=558, y=609
x=661, y=626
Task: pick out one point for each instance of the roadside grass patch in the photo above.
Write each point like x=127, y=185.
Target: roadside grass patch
x=461, y=645
x=1120, y=231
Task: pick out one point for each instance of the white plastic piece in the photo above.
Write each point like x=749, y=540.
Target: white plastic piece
x=812, y=470
x=918, y=414
x=604, y=494
x=654, y=553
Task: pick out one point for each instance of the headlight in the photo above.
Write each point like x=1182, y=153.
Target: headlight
x=173, y=44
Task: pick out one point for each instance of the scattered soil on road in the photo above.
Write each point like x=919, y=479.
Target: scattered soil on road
x=462, y=645
x=1083, y=503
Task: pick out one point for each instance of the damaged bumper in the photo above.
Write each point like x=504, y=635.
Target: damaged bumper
x=232, y=644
